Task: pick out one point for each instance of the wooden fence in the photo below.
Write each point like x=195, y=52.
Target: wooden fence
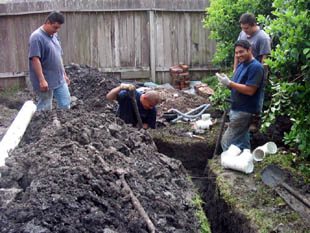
x=136, y=38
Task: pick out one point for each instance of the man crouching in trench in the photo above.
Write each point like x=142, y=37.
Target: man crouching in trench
x=146, y=103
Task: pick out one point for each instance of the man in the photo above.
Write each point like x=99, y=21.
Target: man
x=146, y=105
x=259, y=40
x=47, y=73
x=247, y=88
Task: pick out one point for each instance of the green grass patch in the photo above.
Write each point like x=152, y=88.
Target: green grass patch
x=200, y=214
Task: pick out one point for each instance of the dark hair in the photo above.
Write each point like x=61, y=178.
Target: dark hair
x=243, y=43
x=55, y=17
x=247, y=18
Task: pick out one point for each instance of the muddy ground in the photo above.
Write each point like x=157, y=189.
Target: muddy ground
x=69, y=172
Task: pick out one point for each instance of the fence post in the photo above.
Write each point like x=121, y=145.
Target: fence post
x=152, y=46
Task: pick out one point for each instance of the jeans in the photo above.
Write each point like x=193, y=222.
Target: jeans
x=62, y=96
x=237, y=132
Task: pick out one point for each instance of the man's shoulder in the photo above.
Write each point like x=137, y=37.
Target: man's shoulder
x=36, y=35
x=256, y=63
x=262, y=34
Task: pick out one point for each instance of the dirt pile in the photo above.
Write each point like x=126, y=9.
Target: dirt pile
x=72, y=170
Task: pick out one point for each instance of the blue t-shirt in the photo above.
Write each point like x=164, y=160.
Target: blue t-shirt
x=251, y=74
x=48, y=49
x=126, y=111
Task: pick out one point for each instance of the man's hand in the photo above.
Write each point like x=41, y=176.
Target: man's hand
x=223, y=79
x=127, y=86
x=43, y=85
x=67, y=79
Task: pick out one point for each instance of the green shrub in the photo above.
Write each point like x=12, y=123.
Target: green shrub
x=289, y=65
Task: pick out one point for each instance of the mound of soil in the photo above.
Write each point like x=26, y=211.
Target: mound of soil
x=84, y=170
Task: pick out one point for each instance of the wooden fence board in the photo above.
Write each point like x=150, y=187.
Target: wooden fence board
x=113, y=40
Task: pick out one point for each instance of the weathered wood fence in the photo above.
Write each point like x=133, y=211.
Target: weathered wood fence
x=136, y=38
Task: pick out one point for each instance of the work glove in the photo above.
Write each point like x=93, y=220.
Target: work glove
x=223, y=79
x=127, y=86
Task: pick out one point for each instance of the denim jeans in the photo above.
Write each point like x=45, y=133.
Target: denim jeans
x=62, y=96
x=237, y=132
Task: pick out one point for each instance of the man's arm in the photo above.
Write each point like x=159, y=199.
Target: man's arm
x=112, y=95
x=242, y=88
x=37, y=67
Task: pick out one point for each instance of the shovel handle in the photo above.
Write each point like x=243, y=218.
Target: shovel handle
x=295, y=194
x=135, y=108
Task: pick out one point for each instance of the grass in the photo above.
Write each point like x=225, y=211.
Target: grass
x=262, y=207
x=200, y=214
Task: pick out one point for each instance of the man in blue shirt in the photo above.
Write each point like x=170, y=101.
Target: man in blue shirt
x=146, y=103
x=247, y=91
x=47, y=73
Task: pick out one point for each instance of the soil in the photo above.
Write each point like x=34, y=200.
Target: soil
x=67, y=175
x=69, y=171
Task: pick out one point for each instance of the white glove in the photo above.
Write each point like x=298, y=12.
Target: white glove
x=127, y=86
x=223, y=79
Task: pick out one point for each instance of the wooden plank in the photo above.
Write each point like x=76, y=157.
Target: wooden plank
x=130, y=39
x=135, y=75
x=168, y=40
x=138, y=39
x=145, y=46
x=152, y=45
x=187, y=38
x=93, y=37
x=159, y=37
x=3, y=44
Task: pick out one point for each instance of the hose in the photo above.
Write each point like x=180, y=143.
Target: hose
x=189, y=115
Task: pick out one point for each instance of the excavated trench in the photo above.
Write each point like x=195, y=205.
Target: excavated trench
x=92, y=114
x=194, y=157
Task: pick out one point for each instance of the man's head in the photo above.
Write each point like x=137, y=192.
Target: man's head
x=150, y=99
x=248, y=23
x=53, y=22
x=243, y=51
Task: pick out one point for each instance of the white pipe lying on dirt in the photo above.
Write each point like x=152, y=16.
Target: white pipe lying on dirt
x=268, y=148
x=16, y=130
x=232, y=159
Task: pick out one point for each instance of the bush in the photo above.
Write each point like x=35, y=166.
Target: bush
x=290, y=70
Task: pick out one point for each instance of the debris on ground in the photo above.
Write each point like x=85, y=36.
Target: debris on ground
x=90, y=172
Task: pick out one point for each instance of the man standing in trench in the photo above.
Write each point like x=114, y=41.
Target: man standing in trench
x=247, y=90
x=47, y=73
x=258, y=38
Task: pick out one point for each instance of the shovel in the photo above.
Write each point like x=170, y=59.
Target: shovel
x=132, y=95
x=273, y=176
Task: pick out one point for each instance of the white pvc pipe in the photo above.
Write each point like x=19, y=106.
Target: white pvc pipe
x=268, y=148
x=16, y=130
x=232, y=159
